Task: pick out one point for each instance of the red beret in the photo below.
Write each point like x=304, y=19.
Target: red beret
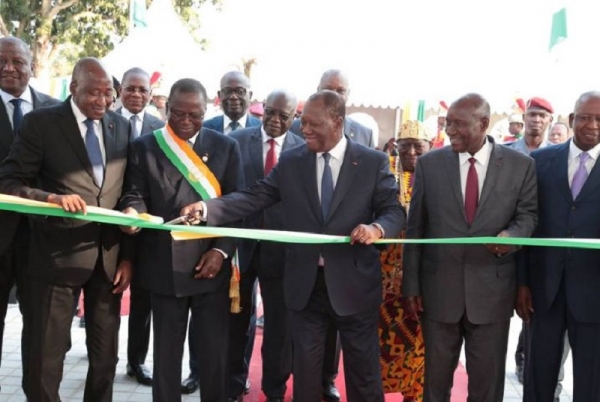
x=540, y=103
x=257, y=108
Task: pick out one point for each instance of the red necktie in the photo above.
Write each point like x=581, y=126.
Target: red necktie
x=471, y=192
x=271, y=157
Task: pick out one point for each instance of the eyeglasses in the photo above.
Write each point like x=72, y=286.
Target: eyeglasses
x=272, y=113
x=141, y=90
x=239, y=91
x=181, y=115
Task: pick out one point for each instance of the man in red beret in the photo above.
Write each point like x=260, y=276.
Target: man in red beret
x=537, y=118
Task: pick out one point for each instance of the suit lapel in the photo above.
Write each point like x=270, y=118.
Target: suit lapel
x=70, y=129
x=452, y=172
x=491, y=175
x=6, y=130
x=348, y=170
x=255, y=150
x=592, y=182
x=560, y=165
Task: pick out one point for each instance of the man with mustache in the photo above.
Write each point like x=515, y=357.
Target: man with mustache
x=135, y=93
x=18, y=99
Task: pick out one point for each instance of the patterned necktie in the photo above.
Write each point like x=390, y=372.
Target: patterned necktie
x=271, y=157
x=471, y=192
x=326, y=186
x=17, y=114
x=581, y=175
x=92, y=144
x=133, y=124
x=234, y=125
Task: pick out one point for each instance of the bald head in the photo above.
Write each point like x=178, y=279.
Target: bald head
x=91, y=88
x=467, y=122
x=583, y=98
x=235, y=94
x=336, y=81
x=16, y=65
x=280, y=109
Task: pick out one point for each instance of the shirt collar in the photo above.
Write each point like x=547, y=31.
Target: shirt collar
x=338, y=151
x=194, y=138
x=574, y=151
x=79, y=116
x=127, y=114
x=265, y=137
x=242, y=121
x=482, y=156
x=25, y=96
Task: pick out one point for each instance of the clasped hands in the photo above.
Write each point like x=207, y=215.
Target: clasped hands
x=500, y=249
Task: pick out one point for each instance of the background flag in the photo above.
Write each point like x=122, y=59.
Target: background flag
x=137, y=14
x=559, y=26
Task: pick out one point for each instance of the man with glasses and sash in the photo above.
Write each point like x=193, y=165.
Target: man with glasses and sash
x=177, y=165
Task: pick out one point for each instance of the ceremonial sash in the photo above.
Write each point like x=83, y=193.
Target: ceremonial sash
x=183, y=157
x=195, y=171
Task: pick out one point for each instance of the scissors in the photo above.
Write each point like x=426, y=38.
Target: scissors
x=177, y=221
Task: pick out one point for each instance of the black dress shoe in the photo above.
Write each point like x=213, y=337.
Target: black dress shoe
x=190, y=384
x=331, y=393
x=141, y=374
x=247, y=387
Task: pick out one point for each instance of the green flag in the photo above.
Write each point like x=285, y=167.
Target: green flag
x=137, y=14
x=559, y=27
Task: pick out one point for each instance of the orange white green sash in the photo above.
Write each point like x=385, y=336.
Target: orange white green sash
x=195, y=171
x=183, y=157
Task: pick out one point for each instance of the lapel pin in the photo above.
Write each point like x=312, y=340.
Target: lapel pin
x=205, y=158
x=355, y=163
x=352, y=134
x=111, y=125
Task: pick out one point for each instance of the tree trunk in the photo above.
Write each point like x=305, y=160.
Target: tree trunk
x=41, y=51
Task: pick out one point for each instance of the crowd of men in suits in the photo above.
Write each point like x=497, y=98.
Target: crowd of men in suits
x=316, y=174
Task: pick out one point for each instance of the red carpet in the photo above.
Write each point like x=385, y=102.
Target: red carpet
x=459, y=392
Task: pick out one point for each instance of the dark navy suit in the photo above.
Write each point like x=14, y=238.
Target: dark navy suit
x=564, y=282
x=265, y=261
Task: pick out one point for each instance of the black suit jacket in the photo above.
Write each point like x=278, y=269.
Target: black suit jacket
x=154, y=185
x=366, y=192
x=272, y=255
x=561, y=216
x=49, y=156
x=10, y=220
x=216, y=123
x=149, y=124
x=352, y=129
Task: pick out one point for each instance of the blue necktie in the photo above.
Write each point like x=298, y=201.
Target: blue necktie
x=234, y=125
x=133, y=123
x=326, y=186
x=92, y=144
x=17, y=114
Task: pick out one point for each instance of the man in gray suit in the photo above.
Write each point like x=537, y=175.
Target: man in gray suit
x=135, y=93
x=333, y=186
x=18, y=99
x=261, y=147
x=467, y=292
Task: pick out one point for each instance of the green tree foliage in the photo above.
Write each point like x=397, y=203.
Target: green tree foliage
x=56, y=29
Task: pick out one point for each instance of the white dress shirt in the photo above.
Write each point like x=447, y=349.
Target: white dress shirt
x=266, y=146
x=335, y=162
x=26, y=104
x=81, y=118
x=483, y=158
x=140, y=121
x=241, y=123
x=574, y=153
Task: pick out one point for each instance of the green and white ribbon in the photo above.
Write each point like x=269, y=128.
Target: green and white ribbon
x=94, y=214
